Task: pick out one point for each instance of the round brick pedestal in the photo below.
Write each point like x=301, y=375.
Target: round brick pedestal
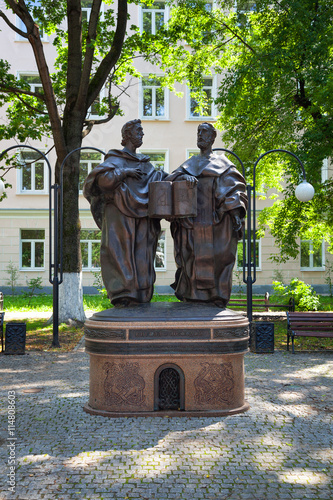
x=157, y=359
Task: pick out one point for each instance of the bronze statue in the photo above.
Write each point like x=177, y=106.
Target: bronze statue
x=118, y=193
x=205, y=246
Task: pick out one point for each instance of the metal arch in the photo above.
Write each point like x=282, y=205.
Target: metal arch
x=53, y=256
x=62, y=200
x=247, y=189
x=251, y=240
x=50, y=199
x=234, y=154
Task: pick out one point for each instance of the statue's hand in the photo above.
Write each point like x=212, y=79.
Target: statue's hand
x=134, y=172
x=191, y=181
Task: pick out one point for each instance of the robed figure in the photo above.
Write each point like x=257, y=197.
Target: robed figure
x=205, y=246
x=118, y=193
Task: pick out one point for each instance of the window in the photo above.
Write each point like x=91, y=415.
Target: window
x=90, y=248
x=207, y=109
x=324, y=170
x=160, y=258
x=153, y=17
x=33, y=175
x=239, y=257
x=32, y=249
x=86, y=10
x=34, y=81
x=160, y=159
x=88, y=161
x=312, y=257
x=21, y=26
x=192, y=152
x=154, y=99
x=243, y=7
x=97, y=110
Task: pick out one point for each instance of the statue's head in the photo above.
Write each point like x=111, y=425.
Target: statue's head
x=132, y=132
x=206, y=136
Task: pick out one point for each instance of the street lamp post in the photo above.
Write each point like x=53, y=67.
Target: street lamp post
x=55, y=230
x=304, y=192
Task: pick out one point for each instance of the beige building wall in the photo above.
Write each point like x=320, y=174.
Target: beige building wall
x=175, y=135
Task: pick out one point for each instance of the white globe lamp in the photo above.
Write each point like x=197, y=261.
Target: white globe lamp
x=304, y=191
x=2, y=187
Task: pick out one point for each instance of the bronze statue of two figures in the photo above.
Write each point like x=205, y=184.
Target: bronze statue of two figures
x=205, y=200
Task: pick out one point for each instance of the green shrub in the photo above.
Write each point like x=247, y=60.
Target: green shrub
x=306, y=299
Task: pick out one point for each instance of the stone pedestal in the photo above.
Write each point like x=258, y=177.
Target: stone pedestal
x=157, y=359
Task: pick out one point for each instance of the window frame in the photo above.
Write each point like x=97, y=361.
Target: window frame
x=164, y=268
x=213, y=87
x=91, y=164
x=158, y=151
x=21, y=26
x=311, y=268
x=90, y=242
x=192, y=152
x=20, y=172
x=141, y=100
x=33, y=242
x=143, y=9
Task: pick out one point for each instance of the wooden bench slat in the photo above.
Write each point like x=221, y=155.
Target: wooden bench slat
x=313, y=334
x=309, y=324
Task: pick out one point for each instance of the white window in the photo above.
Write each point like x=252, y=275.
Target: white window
x=160, y=258
x=239, y=256
x=32, y=249
x=153, y=99
x=90, y=248
x=21, y=26
x=88, y=161
x=33, y=173
x=324, y=170
x=153, y=17
x=192, y=152
x=34, y=81
x=86, y=10
x=206, y=110
x=160, y=158
x=96, y=111
x=312, y=256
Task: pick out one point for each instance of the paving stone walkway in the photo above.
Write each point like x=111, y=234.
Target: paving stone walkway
x=279, y=450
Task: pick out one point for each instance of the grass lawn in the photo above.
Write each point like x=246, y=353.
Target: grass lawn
x=39, y=335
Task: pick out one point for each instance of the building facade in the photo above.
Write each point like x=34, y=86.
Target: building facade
x=170, y=126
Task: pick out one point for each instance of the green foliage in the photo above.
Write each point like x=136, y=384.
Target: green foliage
x=306, y=299
x=276, y=65
x=13, y=276
x=33, y=285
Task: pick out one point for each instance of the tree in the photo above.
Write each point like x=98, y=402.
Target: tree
x=276, y=62
x=90, y=55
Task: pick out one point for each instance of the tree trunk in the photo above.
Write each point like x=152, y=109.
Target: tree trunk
x=70, y=291
x=71, y=299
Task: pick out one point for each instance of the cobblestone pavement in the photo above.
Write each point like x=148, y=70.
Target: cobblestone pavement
x=281, y=449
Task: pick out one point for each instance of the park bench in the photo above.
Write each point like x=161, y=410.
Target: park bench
x=264, y=302
x=308, y=324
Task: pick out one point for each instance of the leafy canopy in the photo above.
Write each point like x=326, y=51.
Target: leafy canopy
x=275, y=59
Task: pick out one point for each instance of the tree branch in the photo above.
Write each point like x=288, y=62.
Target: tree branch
x=112, y=56
x=17, y=91
x=12, y=26
x=89, y=54
x=235, y=34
